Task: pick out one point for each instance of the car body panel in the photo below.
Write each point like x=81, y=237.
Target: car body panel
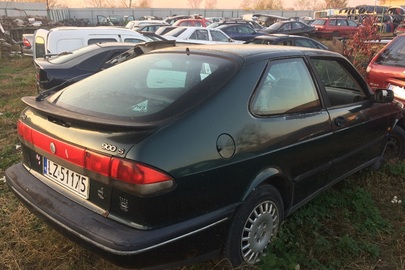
x=387, y=68
x=287, y=40
x=290, y=28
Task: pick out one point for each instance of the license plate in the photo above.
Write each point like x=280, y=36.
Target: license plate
x=71, y=180
x=399, y=92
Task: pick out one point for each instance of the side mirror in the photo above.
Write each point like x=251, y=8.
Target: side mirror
x=383, y=96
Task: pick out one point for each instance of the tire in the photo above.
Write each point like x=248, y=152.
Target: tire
x=254, y=225
x=395, y=145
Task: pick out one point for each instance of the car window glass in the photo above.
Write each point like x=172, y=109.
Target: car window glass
x=352, y=23
x=394, y=54
x=92, y=63
x=332, y=22
x=341, y=87
x=99, y=40
x=218, y=36
x=297, y=25
x=160, y=90
x=304, y=43
x=287, y=88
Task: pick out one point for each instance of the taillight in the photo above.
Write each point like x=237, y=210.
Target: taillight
x=26, y=43
x=119, y=169
x=133, y=173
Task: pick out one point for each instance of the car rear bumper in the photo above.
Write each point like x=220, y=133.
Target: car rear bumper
x=191, y=240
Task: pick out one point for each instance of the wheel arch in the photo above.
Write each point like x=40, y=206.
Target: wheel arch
x=273, y=176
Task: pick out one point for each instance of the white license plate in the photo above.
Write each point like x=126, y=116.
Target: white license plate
x=71, y=180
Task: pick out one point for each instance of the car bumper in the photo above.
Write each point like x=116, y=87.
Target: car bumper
x=191, y=240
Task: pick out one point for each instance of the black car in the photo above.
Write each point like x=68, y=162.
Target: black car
x=290, y=28
x=58, y=72
x=239, y=31
x=198, y=151
x=288, y=40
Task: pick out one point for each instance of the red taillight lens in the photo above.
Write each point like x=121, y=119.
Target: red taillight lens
x=134, y=173
x=26, y=43
x=117, y=168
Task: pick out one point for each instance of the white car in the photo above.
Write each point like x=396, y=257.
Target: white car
x=201, y=35
x=132, y=24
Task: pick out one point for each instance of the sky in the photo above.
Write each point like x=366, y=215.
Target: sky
x=221, y=4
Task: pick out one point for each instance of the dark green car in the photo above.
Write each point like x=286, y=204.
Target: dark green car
x=198, y=151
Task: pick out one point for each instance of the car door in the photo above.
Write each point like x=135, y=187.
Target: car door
x=352, y=113
x=294, y=126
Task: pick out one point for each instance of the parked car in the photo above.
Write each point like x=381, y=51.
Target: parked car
x=135, y=23
x=335, y=27
x=200, y=35
x=266, y=19
x=58, y=72
x=387, y=68
x=290, y=28
x=288, y=40
x=400, y=29
x=27, y=41
x=164, y=29
x=65, y=39
x=172, y=19
x=148, y=27
x=192, y=22
x=256, y=26
x=239, y=31
x=197, y=152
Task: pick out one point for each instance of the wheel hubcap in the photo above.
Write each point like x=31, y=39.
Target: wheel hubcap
x=260, y=226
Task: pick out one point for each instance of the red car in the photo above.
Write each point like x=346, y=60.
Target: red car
x=192, y=22
x=335, y=27
x=387, y=68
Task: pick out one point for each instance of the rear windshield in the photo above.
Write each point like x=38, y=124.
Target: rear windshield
x=68, y=56
x=394, y=54
x=148, y=88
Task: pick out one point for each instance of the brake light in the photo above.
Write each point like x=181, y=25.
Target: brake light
x=117, y=168
x=26, y=43
x=134, y=173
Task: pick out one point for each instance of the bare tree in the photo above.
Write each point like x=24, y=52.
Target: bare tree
x=335, y=3
x=210, y=4
x=194, y=3
x=144, y=4
x=302, y=4
x=261, y=4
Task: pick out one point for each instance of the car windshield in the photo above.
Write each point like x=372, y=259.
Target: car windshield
x=151, y=87
x=175, y=32
x=394, y=54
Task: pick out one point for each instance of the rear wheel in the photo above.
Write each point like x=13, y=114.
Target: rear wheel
x=254, y=226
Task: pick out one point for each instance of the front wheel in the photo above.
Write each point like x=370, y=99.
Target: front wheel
x=395, y=146
x=254, y=226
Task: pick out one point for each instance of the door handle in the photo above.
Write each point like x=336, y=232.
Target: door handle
x=340, y=121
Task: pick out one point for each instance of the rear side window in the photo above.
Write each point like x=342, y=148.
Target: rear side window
x=394, y=54
x=287, y=88
x=149, y=88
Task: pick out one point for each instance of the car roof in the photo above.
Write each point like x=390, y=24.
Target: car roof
x=249, y=53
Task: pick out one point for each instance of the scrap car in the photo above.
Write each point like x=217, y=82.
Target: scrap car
x=195, y=152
